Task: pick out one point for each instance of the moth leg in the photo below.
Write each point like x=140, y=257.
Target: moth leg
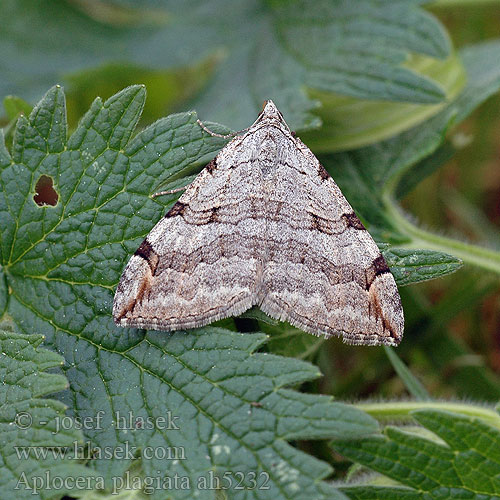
x=170, y=191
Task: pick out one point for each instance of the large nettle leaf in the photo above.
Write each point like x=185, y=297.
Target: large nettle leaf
x=219, y=409
x=460, y=459
x=34, y=430
x=260, y=49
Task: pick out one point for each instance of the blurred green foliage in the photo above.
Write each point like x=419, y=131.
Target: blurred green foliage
x=223, y=58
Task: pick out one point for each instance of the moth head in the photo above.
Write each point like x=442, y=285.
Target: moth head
x=270, y=110
x=270, y=113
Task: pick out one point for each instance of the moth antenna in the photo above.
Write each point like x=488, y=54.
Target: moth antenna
x=214, y=134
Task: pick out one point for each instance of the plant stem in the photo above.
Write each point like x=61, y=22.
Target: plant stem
x=397, y=410
x=471, y=254
x=462, y=3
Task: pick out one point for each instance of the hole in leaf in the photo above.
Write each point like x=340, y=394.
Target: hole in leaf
x=45, y=194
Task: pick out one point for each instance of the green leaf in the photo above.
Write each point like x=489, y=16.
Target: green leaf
x=462, y=460
x=287, y=340
x=231, y=407
x=349, y=122
x=14, y=106
x=257, y=314
x=413, y=266
x=34, y=429
x=262, y=50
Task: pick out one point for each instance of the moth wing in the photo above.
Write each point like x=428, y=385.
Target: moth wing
x=193, y=268
x=327, y=275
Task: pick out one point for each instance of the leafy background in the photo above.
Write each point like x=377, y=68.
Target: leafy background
x=400, y=102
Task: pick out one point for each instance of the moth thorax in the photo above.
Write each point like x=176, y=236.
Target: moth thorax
x=268, y=157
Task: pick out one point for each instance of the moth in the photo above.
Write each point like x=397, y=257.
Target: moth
x=265, y=225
